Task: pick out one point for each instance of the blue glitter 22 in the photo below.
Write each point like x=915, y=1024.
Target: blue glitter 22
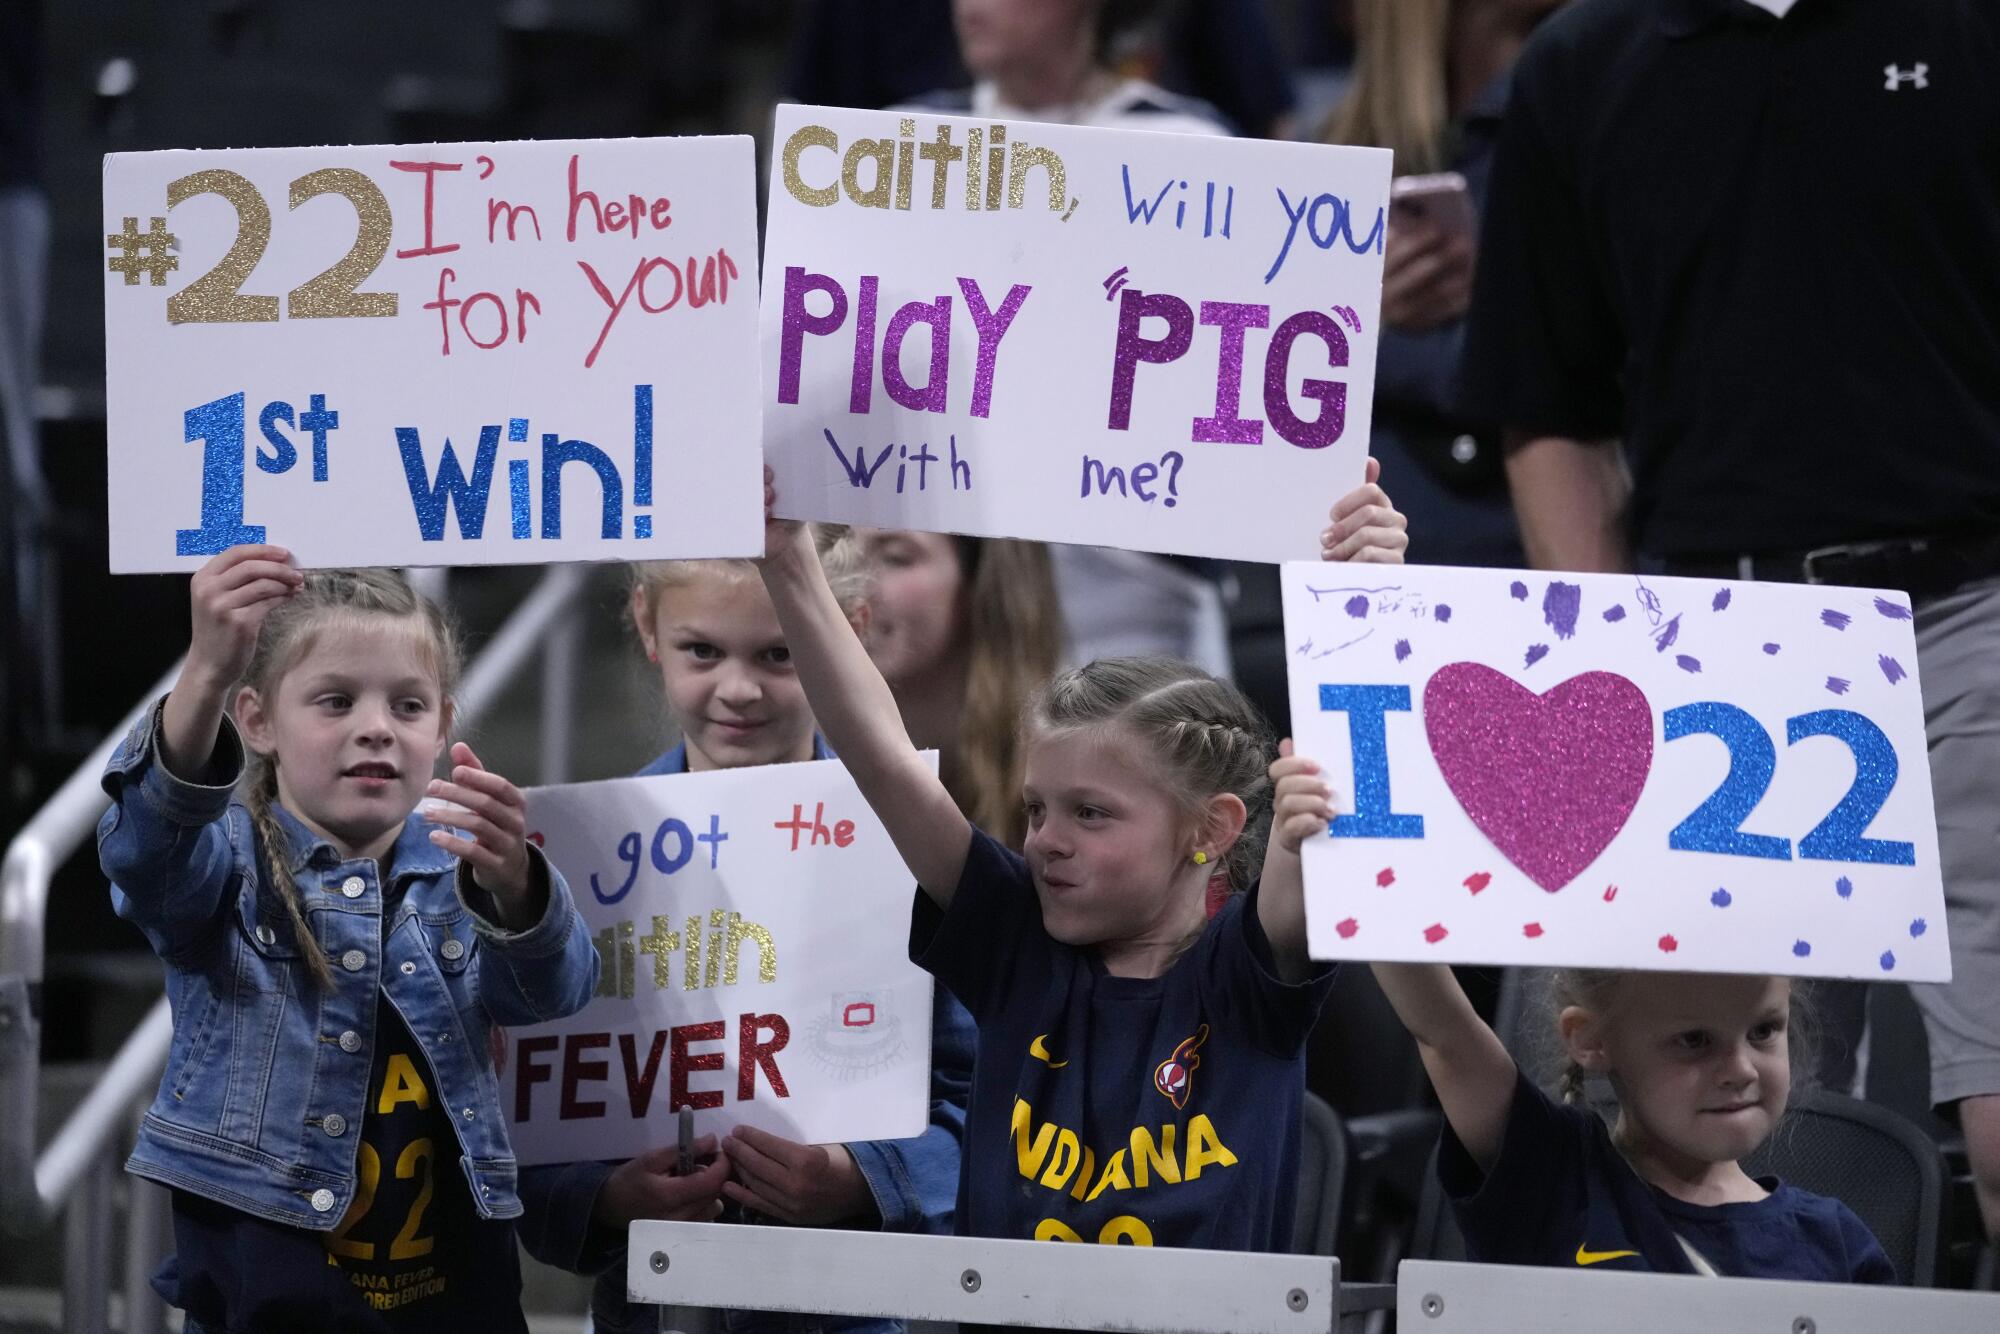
x=219, y=426
x=1838, y=838
x=1717, y=824
x=1374, y=815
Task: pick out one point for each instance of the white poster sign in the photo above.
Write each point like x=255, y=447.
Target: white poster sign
x=1161, y=342
x=753, y=927
x=439, y=354
x=1616, y=771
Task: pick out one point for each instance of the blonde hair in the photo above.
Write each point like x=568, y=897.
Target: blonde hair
x=288, y=635
x=1596, y=990
x=1209, y=738
x=839, y=556
x=1014, y=635
x=1398, y=98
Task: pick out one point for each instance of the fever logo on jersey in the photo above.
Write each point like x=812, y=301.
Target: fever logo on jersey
x=1174, y=1077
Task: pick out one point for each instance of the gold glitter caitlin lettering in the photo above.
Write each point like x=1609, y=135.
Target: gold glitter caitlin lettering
x=883, y=154
x=809, y=136
x=691, y=958
x=663, y=941
x=974, y=143
x=996, y=164
x=217, y=296
x=614, y=953
x=333, y=294
x=905, y=162
x=717, y=919
x=941, y=153
x=1024, y=158
x=767, y=950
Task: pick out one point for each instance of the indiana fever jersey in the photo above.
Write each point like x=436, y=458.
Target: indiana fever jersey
x=412, y=1244
x=1143, y=1111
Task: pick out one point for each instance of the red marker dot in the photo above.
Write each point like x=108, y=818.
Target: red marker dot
x=1668, y=944
x=535, y=839
x=1610, y=893
x=1478, y=881
x=1386, y=876
x=1435, y=932
x=1347, y=928
x=1532, y=930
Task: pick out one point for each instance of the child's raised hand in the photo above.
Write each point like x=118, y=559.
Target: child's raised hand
x=229, y=599
x=778, y=533
x=494, y=814
x=1366, y=525
x=1301, y=802
x=648, y=1187
x=808, y=1185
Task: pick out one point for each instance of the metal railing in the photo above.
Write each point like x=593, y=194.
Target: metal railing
x=77, y=1171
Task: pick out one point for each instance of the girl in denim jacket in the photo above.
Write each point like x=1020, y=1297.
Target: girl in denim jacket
x=329, y=1118
x=729, y=686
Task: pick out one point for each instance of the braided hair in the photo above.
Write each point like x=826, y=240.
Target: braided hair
x=328, y=599
x=1208, y=737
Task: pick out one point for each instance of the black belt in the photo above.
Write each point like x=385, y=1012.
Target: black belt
x=1923, y=567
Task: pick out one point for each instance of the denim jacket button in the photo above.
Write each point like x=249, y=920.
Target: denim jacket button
x=354, y=961
x=451, y=949
x=350, y=1041
x=322, y=1200
x=334, y=1124
x=353, y=886
x=265, y=935
x=408, y=967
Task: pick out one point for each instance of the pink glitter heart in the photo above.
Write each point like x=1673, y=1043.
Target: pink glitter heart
x=1550, y=778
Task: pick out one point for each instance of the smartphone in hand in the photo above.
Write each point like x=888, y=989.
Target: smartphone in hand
x=1439, y=200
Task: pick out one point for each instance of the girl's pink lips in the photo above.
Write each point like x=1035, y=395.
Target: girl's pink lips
x=371, y=771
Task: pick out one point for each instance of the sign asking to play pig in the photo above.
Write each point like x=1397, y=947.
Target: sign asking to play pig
x=1154, y=341
x=434, y=354
x=752, y=927
x=1615, y=771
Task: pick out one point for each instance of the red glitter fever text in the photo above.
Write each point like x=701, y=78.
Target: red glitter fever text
x=470, y=315
x=573, y=1064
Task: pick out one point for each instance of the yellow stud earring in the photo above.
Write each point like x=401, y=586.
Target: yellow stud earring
x=1200, y=858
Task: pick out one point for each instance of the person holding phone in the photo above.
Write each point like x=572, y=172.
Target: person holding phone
x=1430, y=80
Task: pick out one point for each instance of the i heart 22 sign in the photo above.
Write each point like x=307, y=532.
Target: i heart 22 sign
x=1615, y=771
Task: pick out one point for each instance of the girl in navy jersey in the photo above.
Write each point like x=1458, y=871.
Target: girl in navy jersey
x=1140, y=1068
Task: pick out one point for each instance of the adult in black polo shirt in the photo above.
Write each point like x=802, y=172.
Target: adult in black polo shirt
x=1758, y=242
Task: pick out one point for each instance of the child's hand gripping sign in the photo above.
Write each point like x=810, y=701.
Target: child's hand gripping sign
x=1616, y=771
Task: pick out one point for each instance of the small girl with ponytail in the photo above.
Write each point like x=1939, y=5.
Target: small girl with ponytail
x=329, y=1118
x=1701, y=1065
x=1140, y=1069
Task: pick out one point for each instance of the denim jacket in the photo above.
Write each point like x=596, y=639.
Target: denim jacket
x=261, y=1103
x=914, y=1181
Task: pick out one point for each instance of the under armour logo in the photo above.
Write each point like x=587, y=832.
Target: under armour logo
x=1894, y=77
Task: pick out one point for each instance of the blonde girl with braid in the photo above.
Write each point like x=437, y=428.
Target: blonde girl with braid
x=329, y=1120
x=1140, y=1064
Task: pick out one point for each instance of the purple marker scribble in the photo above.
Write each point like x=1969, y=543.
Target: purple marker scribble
x=1888, y=960
x=1442, y=612
x=1801, y=948
x=1518, y=590
x=1720, y=898
x=1891, y=668
x=1721, y=602
x=1664, y=637
x=1771, y=649
x=1561, y=605
x=1536, y=652
x=1918, y=927
x=1843, y=887
x=1357, y=606
x=1687, y=662
x=1836, y=619
x=1402, y=649
x=1838, y=685
x=1615, y=612
x=1895, y=611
